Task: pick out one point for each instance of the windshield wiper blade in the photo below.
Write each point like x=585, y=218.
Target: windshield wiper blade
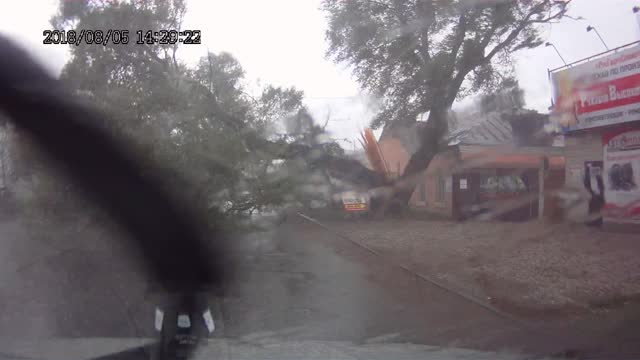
x=164, y=235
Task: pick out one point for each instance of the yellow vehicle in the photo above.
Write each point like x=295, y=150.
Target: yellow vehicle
x=355, y=202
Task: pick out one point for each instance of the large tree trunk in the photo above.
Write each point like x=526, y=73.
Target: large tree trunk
x=431, y=136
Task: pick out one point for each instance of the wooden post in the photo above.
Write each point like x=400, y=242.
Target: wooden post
x=541, y=173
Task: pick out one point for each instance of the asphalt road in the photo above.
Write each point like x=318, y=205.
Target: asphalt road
x=295, y=282
x=301, y=282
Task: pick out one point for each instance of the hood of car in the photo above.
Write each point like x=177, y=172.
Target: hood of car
x=131, y=348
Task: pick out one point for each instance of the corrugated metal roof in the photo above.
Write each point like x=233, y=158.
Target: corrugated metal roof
x=491, y=129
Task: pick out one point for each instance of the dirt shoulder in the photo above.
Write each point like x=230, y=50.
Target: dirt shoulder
x=530, y=268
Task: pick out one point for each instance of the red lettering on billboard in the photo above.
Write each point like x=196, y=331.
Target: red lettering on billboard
x=608, y=94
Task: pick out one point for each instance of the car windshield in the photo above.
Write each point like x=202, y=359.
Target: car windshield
x=320, y=179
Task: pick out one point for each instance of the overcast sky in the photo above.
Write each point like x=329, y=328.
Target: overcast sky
x=281, y=42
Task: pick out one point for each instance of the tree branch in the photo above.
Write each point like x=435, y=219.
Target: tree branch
x=526, y=21
x=426, y=14
x=380, y=3
x=454, y=87
x=458, y=40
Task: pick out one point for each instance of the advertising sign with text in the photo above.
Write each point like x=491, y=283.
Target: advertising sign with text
x=621, y=176
x=600, y=92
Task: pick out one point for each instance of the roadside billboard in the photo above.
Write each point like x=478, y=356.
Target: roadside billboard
x=603, y=91
x=621, y=176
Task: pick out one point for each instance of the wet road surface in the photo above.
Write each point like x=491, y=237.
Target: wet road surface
x=302, y=282
x=296, y=282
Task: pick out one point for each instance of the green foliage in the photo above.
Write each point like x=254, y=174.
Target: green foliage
x=420, y=55
x=218, y=147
